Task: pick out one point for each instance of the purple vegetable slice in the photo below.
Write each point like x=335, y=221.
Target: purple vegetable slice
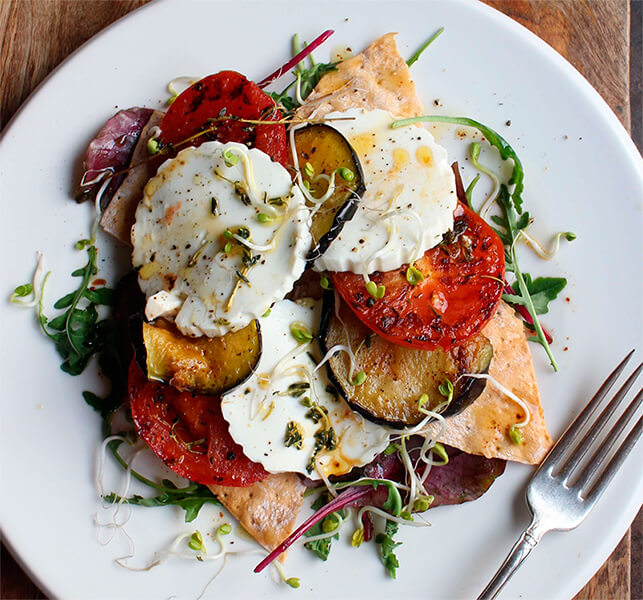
x=112, y=149
x=464, y=478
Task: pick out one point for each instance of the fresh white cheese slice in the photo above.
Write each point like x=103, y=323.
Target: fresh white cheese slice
x=274, y=399
x=409, y=200
x=197, y=199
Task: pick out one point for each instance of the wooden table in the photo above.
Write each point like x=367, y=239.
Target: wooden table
x=594, y=35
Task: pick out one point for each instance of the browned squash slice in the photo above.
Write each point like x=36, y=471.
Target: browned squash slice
x=201, y=365
x=397, y=376
x=322, y=150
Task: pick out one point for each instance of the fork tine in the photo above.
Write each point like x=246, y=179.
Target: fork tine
x=589, y=438
x=566, y=439
x=615, y=464
x=596, y=461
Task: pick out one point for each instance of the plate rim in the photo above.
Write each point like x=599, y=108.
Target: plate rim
x=544, y=50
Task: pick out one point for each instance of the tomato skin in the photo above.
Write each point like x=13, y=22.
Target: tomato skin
x=168, y=420
x=229, y=90
x=460, y=292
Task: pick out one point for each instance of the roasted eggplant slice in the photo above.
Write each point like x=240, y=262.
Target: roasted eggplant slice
x=322, y=151
x=201, y=365
x=397, y=376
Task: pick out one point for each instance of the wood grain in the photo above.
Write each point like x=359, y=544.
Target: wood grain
x=36, y=35
x=593, y=35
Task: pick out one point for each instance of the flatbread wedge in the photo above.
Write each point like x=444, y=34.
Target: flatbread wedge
x=378, y=78
x=267, y=510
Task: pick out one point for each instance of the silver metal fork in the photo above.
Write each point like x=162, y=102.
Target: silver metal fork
x=559, y=495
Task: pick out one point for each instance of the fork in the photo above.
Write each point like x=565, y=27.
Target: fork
x=558, y=497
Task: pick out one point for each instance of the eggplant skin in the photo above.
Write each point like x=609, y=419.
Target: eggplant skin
x=327, y=150
x=397, y=376
x=208, y=366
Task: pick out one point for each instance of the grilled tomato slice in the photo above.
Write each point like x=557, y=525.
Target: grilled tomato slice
x=456, y=293
x=188, y=433
x=225, y=94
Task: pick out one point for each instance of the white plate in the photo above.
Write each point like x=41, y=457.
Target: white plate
x=583, y=174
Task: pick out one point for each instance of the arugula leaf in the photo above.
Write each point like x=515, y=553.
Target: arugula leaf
x=190, y=498
x=387, y=547
x=542, y=291
x=190, y=502
x=77, y=333
x=511, y=224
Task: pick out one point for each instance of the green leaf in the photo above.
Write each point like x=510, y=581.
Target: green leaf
x=387, y=547
x=58, y=323
x=103, y=295
x=190, y=502
x=65, y=301
x=543, y=290
x=23, y=290
x=424, y=46
x=321, y=548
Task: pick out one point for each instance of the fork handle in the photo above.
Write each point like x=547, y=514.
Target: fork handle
x=525, y=544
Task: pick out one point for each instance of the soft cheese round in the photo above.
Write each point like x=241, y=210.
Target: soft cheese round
x=260, y=411
x=409, y=200
x=189, y=266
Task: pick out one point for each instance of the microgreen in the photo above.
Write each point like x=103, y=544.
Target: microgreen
x=387, y=547
x=21, y=291
x=230, y=158
x=422, y=503
x=468, y=193
x=440, y=451
x=346, y=174
x=515, y=435
x=300, y=332
x=196, y=542
x=263, y=218
x=293, y=582
x=357, y=538
x=390, y=449
x=325, y=283
x=414, y=275
x=424, y=46
x=359, y=378
x=375, y=291
x=446, y=389
x=153, y=146
x=307, y=79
